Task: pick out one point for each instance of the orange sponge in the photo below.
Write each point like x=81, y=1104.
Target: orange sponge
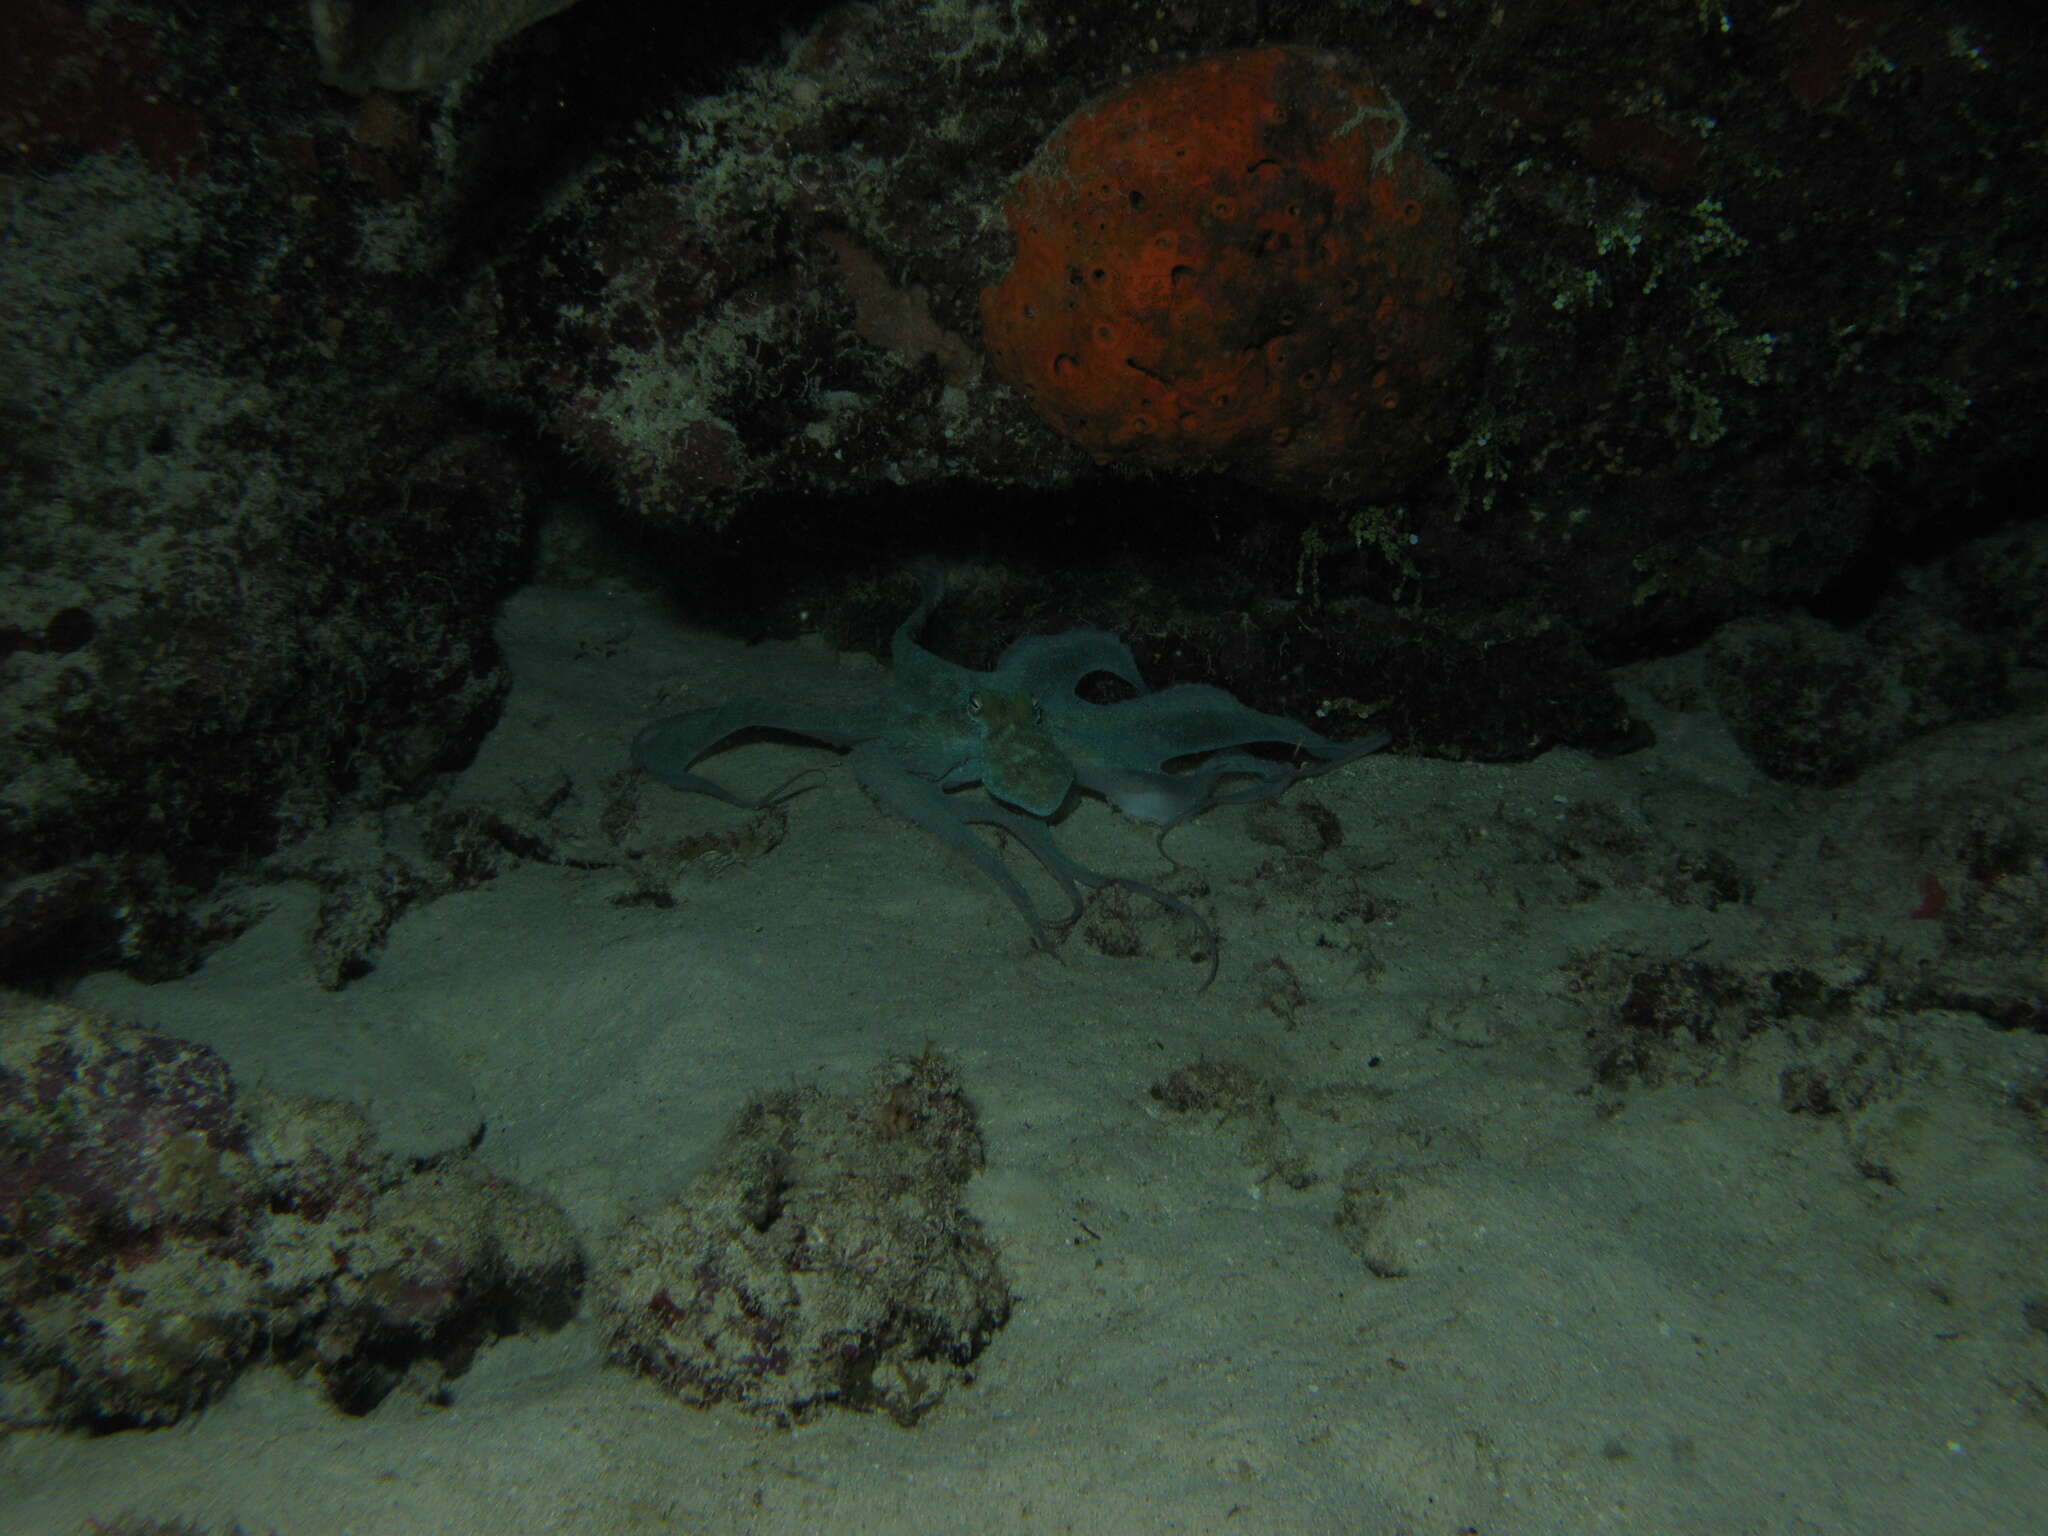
x=1242, y=264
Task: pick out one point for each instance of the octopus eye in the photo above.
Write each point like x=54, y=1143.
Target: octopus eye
x=1037, y=713
x=974, y=703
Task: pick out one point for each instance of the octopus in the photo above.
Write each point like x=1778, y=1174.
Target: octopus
x=1024, y=735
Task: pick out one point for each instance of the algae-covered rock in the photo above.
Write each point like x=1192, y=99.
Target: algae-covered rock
x=824, y=1257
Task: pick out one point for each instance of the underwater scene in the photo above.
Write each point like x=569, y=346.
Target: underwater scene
x=969, y=766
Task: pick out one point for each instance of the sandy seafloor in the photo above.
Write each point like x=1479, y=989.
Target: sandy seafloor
x=1554, y=1304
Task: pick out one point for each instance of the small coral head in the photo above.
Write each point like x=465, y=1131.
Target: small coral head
x=1242, y=263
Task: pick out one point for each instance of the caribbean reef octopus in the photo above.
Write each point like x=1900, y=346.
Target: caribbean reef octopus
x=1026, y=735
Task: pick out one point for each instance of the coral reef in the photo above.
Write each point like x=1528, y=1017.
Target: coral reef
x=822, y=1258
x=727, y=304
x=286, y=371
x=250, y=554
x=1240, y=263
x=745, y=316
x=159, y=1231
x=1813, y=704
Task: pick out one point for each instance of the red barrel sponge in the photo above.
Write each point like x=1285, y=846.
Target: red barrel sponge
x=1242, y=264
